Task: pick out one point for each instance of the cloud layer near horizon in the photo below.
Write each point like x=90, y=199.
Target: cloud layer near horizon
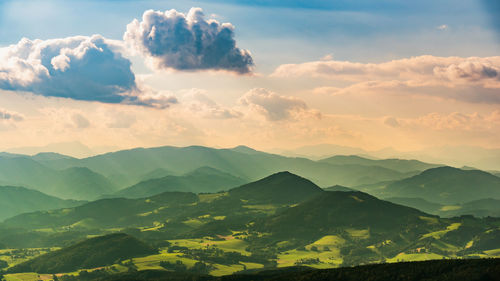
x=444, y=70
x=173, y=40
x=472, y=79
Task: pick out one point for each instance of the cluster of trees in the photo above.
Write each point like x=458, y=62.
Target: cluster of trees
x=179, y=266
x=219, y=256
x=85, y=276
x=308, y=261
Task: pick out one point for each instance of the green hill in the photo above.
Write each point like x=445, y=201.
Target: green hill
x=91, y=253
x=18, y=200
x=400, y=165
x=275, y=190
x=329, y=212
x=446, y=185
x=106, y=213
x=204, y=179
x=279, y=188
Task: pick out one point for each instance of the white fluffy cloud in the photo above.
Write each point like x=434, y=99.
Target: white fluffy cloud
x=80, y=67
x=275, y=107
x=174, y=40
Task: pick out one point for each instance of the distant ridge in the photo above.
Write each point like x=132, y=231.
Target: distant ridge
x=16, y=200
x=400, y=165
x=49, y=156
x=447, y=185
x=243, y=162
x=244, y=149
x=203, y=179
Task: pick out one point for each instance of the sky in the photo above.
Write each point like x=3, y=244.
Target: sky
x=269, y=74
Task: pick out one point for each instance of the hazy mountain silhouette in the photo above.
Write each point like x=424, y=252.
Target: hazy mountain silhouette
x=446, y=185
x=204, y=179
x=18, y=200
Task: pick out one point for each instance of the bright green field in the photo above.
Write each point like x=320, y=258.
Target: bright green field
x=153, y=261
x=328, y=258
x=440, y=233
x=22, y=277
x=415, y=257
x=358, y=233
x=231, y=244
x=493, y=253
x=13, y=261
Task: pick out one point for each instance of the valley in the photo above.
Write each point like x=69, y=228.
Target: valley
x=210, y=221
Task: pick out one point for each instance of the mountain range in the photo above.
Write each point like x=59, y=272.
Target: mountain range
x=206, y=210
x=290, y=210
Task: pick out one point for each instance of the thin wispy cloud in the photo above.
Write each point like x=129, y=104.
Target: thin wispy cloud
x=273, y=106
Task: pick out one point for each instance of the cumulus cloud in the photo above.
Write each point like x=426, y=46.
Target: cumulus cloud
x=446, y=71
x=80, y=68
x=10, y=116
x=275, y=107
x=198, y=102
x=173, y=40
